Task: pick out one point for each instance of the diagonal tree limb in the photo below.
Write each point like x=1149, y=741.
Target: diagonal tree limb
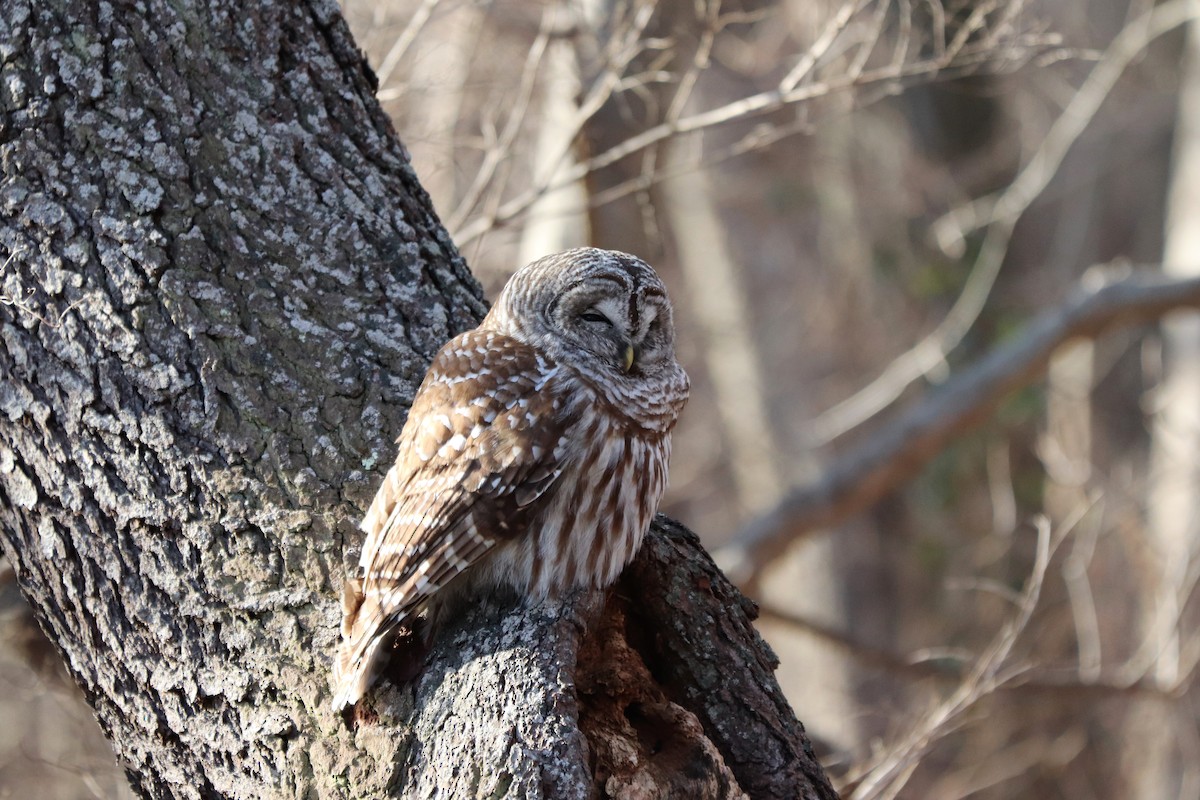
x=894, y=454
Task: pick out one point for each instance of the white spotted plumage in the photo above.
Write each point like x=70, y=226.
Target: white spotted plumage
x=535, y=453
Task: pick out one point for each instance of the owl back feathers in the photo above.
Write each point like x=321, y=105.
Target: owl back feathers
x=481, y=446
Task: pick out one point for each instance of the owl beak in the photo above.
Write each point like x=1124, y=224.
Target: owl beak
x=629, y=356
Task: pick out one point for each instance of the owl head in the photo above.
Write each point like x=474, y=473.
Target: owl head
x=603, y=312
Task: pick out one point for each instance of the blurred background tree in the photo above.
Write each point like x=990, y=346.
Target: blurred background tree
x=920, y=252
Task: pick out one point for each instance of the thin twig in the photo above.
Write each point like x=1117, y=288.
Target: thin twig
x=867, y=47
x=1083, y=604
x=405, y=40
x=833, y=29
x=950, y=230
x=942, y=666
x=893, y=767
x=502, y=148
x=761, y=137
x=743, y=109
x=620, y=50
x=974, y=24
x=903, y=33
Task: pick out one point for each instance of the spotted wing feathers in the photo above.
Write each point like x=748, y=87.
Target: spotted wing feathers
x=482, y=445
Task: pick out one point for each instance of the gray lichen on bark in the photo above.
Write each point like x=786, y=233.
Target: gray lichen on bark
x=223, y=282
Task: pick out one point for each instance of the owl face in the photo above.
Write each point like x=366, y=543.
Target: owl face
x=602, y=312
x=621, y=327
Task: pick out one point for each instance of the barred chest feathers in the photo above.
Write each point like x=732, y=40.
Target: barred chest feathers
x=590, y=530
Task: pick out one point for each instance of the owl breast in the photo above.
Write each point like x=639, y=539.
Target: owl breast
x=587, y=532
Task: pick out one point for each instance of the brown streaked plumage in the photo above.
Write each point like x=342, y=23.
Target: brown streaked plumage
x=535, y=453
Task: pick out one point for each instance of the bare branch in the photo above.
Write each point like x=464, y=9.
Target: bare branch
x=999, y=213
x=1083, y=604
x=833, y=29
x=1068, y=680
x=950, y=230
x=973, y=25
x=503, y=146
x=893, y=77
x=867, y=47
x=896, y=763
x=894, y=454
x=699, y=62
x=405, y=40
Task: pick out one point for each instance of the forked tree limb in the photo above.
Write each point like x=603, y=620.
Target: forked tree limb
x=694, y=629
x=895, y=453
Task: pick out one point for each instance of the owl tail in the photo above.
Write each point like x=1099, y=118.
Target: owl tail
x=355, y=669
x=355, y=666
x=371, y=640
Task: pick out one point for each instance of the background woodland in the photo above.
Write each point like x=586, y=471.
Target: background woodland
x=928, y=260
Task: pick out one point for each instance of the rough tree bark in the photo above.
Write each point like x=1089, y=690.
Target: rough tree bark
x=222, y=281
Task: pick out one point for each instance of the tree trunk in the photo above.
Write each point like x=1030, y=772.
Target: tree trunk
x=222, y=282
x=1156, y=763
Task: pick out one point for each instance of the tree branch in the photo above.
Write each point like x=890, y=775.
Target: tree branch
x=1060, y=681
x=999, y=213
x=813, y=77
x=893, y=455
x=694, y=629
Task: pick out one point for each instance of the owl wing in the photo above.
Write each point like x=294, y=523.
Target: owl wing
x=482, y=444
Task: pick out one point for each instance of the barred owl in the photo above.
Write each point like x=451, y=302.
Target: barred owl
x=534, y=456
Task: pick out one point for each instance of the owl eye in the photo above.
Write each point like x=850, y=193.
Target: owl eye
x=595, y=316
